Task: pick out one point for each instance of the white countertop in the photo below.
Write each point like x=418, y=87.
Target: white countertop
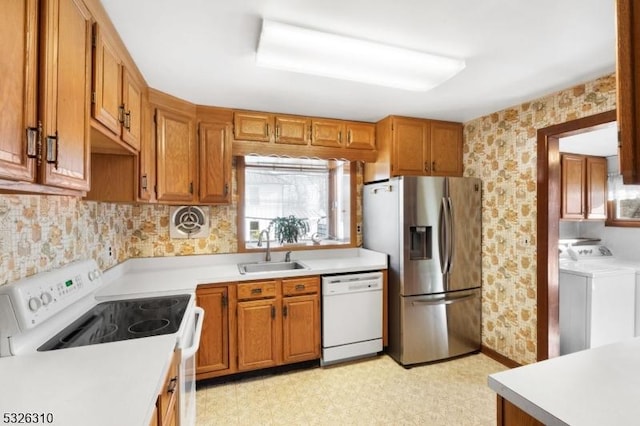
x=99, y=385
x=118, y=383
x=185, y=273
x=595, y=387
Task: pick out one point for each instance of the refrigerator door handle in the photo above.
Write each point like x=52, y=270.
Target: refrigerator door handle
x=450, y=236
x=443, y=300
x=442, y=235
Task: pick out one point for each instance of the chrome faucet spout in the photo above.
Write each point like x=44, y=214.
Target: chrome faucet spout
x=267, y=256
x=287, y=256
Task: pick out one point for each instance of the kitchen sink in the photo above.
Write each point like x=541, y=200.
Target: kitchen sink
x=255, y=267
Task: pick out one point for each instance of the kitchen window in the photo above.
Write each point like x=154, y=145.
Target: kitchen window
x=321, y=193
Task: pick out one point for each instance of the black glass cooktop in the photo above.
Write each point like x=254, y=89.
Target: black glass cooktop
x=122, y=320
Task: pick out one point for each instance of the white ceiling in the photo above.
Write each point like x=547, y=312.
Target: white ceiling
x=516, y=50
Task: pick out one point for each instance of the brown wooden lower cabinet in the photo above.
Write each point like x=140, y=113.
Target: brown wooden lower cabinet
x=258, y=324
x=167, y=412
x=510, y=415
x=258, y=337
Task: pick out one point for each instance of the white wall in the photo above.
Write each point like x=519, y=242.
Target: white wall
x=623, y=242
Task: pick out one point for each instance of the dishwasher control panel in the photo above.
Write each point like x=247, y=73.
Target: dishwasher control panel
x=351, y=283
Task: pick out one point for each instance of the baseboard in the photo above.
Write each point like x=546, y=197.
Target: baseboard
x=497, y=356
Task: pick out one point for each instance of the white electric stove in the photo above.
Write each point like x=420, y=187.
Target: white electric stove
x=60, y=310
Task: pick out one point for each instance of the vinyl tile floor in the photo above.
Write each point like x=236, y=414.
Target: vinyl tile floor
x=374, y=391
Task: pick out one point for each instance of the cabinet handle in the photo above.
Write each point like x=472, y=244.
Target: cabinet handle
x=277, y=132
x=267, y=132
x=121, y=114
x=299, y=287
x=349, y=137
x=433, y=166
x=173, y=383
x=127, y=120
x=284, y=311
x=256, y=291
x=226, y=189
x=190, y=187
x=143, y=182
x=32, y=142
x=426, y=166
x=224, y=301
x=340, y=136
x=52, y=150
x=273, y=312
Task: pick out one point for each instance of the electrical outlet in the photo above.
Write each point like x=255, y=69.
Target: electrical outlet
x=359, y=229
x=110, y=251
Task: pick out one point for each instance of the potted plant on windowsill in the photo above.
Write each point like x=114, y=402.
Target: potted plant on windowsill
x=288, y=229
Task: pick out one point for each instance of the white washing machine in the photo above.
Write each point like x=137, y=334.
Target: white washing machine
x=597, y=300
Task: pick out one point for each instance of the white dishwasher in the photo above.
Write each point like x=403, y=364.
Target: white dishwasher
x=351, y=316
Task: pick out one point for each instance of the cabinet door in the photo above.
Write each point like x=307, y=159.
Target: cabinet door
x=596, y=188
x=65, y=94
x=573, y=190
x=301, y=328
x=361, y=136
x=215, y=163
x=252, y=126
x=176, y=156
x=132, y=107
x=446, y=149
x=327, y=133
x=292, y=130
x=18, y=49
x=107, y=78
x=410, y=144
x=628, y=85
x=213, y=354
x=258, y=334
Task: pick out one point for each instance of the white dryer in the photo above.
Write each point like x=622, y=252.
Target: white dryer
x=597, y=302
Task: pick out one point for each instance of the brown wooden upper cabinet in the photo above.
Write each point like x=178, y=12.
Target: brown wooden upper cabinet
x=268, y=134
x=116, y=96
x=44, y=139
x=215, y=162
x=416, y=147
x=584, y=187
x=264, y=127
x=176, y=156
x=628, y=93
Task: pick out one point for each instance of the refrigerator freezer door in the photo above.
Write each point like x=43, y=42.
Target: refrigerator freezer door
x=465, y=208
x=439, y=326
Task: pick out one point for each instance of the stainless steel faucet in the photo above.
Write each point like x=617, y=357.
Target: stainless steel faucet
x=267, y=256
x=287, y=256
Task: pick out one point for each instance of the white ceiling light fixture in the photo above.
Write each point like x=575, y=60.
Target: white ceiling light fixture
x=291, y=48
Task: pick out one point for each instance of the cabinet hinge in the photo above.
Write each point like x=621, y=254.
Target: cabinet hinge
x=93, y=37
x=93, y=97
x=155, y=117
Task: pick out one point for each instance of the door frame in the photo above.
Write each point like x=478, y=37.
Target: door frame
x=548, y=218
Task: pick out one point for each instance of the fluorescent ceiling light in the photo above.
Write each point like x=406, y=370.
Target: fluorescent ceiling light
x=290, y=48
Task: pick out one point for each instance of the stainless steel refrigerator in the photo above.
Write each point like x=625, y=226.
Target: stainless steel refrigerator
x=431, y=229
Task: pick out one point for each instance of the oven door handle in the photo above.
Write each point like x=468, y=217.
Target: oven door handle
x=191, y=350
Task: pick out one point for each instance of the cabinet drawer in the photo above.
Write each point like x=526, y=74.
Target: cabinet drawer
x=168, y=398
x=256, y=290
x=306, y=285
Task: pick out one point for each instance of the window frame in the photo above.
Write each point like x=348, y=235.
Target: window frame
x=241, y=240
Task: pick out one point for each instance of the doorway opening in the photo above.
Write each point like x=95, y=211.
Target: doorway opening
x=548, y=219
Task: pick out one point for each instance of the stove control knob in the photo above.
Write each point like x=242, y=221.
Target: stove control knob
x=46, y=298
x=34, y=304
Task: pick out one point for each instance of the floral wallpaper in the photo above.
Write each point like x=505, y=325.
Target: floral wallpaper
x=39, y=233
x=500, y=148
